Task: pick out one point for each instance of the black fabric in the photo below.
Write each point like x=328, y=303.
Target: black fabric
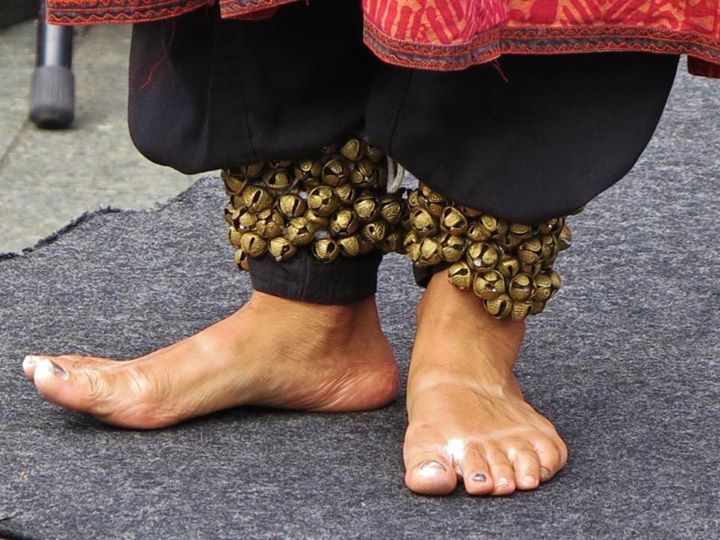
x=524, y=139
x=344, y=281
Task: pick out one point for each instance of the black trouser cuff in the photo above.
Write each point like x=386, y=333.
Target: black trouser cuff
x=344, y=281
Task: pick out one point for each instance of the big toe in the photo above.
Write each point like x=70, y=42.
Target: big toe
x=84, y=389
x=431, y=475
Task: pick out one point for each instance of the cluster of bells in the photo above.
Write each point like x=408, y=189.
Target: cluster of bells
x=335, y=203
x=507, y=265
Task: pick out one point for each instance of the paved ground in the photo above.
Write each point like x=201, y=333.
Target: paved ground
x=47, y=178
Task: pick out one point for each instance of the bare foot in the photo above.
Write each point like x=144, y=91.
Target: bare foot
x=273, y=352
x=468, y=420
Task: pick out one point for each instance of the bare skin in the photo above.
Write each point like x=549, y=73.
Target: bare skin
x=468, y=420
x=273, y=352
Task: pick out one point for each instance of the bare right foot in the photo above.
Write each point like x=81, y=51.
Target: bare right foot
x=273, y=352
x=468, y=418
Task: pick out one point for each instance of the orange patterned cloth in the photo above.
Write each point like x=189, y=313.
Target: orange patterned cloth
x=454, y=34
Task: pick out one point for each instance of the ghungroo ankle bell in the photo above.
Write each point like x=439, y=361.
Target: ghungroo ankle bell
x=333, y=204
x=507, y=265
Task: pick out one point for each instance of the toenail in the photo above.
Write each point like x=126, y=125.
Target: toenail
x=545, y=473
x=31, y=361
x=479, y=477
x=529, y=480
x=57, y=369
x=429, y=467
x=502, y=481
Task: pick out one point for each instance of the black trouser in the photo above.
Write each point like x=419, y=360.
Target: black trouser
x=525, y=139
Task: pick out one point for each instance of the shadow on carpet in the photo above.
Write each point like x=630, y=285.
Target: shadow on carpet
x=625, y=361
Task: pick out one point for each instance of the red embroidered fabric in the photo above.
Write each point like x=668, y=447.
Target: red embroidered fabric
x=454, y=34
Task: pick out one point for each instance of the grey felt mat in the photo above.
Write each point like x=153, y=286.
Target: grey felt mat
x=625, y=360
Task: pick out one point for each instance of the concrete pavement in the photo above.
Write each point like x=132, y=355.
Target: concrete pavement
x=47, y=178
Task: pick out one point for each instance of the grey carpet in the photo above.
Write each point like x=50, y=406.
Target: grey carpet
x=625, y=360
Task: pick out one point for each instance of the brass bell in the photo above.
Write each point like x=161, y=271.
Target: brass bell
x=536, y=307
x=346, y=194
x=453, y=221
x=460, y=275
x=452, y=247
x=532, y=269
x=477, y=232
x=353, y=149
x=482, y=255
x=508, y=266
x=430, y=195
x=501, y=229
x=390, y=209
x=393, y=243
x=291, y=205
x=488, y=284
x=281, y=249
x=344, y=222
x=241, y=260
x=249, y=171
x=430, y=252
x=415, y=200
x=350, y=245
x=520, y=310
x=366, y=207
x=410, y=237
x=308, y=168
x=543, y=288
x=257, y=198
x=366, y=246
x=521, y=230
x=237, y=202
x=233, y=184
x=270, y=223
x=325, y=250
x=365, y=175
x=374, y=154
x=413, y=251
x=374, y=231
x=246, y=220
x=300, y=231
x=253, y=244
x=500, y=307
x=564, y=238
x=230, y=214
x=489, y=222
x=436, y=209
x=334, y=172
x=234, y=236
x=323, y=201
x=549, y=246
x=319, y=222
x=555, y=280
x=277, y=179
x=549, y=226
x=529, y=252
x=521, y=287
x=422, y=222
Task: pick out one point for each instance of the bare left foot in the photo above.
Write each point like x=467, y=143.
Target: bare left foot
x=273, y=351
x=468, y=419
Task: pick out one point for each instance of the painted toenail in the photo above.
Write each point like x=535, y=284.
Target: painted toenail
x=430, y=467
x=57, y=369
x=545, y=473
x=479, y=477
x=31, y=361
